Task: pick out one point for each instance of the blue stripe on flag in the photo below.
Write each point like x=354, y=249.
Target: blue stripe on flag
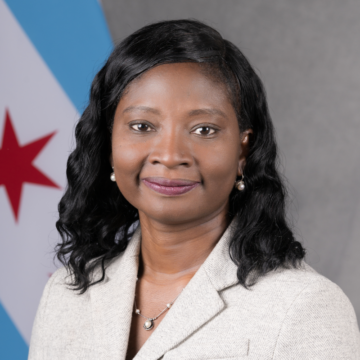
x=12, y=345
x=71, y=36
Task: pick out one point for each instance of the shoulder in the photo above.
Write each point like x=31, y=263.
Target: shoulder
x=303, y=282
x=304, y=314
x=293, y=291
x=63, y=314
x=303, y=293
x=58, y=295
x=318, y=319
x=61, y=296
x=306, y=290
x=61, y=276
x=58, y=280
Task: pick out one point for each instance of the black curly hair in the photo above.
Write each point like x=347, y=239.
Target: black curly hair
x=96, y=221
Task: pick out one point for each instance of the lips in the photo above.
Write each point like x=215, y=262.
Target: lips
x=169, y=186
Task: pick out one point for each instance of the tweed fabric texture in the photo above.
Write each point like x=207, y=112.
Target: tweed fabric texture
x=288, y=314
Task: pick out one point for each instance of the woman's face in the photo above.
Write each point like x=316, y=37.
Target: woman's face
x=174, y=123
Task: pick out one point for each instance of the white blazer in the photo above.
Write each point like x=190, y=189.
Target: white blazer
x=288, y=314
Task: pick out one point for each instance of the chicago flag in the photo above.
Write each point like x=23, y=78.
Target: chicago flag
x=49, y=53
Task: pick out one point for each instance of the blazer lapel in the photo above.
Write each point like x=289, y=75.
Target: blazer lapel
x=198, y=303
x=112, y=302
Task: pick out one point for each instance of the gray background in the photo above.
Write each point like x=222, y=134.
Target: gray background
x=308, y=56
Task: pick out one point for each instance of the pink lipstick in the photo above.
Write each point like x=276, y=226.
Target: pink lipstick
x=168, y=186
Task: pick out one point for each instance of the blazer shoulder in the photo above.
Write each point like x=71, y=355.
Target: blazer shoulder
x=304, y=286
x=320, y=321
x=59, y=276
x=297, y=279
x=57, y=290
x=316, y=288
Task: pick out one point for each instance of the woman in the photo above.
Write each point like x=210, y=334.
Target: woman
x=174, y=237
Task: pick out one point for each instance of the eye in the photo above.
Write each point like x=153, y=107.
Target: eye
x=205, y=130
x=141, y=127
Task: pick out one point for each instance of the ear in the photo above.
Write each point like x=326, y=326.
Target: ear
x=244, y=150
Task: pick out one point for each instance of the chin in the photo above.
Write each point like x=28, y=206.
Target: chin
x=171, y=215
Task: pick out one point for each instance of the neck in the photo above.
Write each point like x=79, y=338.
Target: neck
x=175, y=252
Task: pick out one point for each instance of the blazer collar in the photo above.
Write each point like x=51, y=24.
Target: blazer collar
x=112, y=302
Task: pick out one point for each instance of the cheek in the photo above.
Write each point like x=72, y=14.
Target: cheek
x=220, y=167
x=127, y=160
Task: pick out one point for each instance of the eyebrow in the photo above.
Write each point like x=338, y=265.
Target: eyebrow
x=207, y=111
x=196, y=112
x=142, y=108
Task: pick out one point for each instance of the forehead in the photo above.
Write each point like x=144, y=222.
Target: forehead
x=176, y=85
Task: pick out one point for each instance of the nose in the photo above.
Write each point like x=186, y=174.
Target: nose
x=171, y=149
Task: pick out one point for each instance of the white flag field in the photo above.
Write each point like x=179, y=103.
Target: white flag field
x=49, y=52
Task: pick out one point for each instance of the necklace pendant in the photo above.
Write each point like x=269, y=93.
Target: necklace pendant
x=148, y=324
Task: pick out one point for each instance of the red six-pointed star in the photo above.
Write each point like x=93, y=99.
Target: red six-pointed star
x=16, y=164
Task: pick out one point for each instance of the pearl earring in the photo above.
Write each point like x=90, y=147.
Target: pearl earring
x=240, y=185
x=112, y=176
